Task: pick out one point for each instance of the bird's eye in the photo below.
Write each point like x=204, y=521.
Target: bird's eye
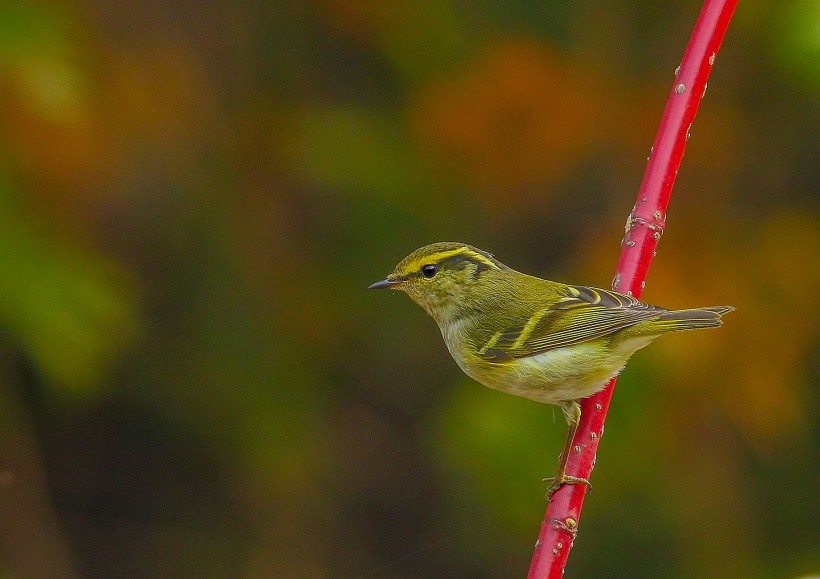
x=429, y=271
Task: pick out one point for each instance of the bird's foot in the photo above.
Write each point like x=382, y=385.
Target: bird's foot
x=564, y=479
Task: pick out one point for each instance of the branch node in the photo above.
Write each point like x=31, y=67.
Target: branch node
x=568, y=525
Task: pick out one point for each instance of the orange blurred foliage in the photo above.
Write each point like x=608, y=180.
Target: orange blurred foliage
x=760, y=353
x=157, y=91
x=498, y=121
x=50, y=126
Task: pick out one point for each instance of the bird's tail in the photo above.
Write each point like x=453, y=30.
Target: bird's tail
x=694, y=319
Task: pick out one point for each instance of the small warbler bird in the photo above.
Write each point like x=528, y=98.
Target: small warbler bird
x=543, y=340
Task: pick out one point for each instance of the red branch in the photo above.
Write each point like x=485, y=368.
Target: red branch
x=644, y=228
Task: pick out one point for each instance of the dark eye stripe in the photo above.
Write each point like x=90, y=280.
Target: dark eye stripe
x=461, y=260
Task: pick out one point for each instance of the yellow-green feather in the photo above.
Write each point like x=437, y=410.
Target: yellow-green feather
x=532, y=337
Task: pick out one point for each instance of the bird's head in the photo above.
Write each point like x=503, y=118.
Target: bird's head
x=446, y=279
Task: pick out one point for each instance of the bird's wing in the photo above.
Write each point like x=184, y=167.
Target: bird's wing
x=582, y=314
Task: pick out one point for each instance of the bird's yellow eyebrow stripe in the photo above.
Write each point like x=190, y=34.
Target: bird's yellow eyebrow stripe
x=442, y=255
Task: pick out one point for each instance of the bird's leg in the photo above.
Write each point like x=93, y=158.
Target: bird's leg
x=572, y=412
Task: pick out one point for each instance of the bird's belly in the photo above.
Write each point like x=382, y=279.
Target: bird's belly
x=554, y=376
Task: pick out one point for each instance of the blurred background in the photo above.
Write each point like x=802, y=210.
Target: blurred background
x=194, y=381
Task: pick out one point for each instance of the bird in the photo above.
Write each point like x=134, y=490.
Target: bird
x=543, y=340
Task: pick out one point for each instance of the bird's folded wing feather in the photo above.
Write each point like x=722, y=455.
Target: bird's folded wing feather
x=582, y=314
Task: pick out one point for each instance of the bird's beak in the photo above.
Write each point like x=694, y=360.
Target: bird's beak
x=385, y=283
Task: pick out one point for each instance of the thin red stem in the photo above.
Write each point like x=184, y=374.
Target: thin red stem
x=644, y=229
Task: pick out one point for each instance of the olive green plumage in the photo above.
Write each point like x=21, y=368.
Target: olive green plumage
x=531, y=337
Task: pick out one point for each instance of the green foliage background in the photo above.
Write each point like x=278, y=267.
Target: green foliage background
x=194, y=197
